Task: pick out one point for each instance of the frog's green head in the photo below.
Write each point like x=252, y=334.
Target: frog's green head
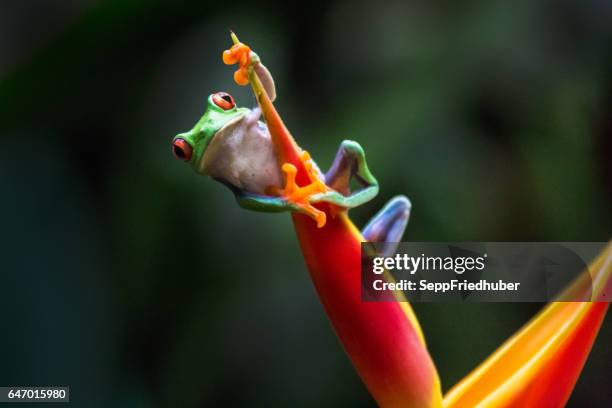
x=220, y=111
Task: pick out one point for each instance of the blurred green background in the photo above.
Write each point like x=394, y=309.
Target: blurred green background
x=140, y=284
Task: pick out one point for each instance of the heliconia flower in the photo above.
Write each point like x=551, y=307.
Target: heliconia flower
x=537, y=367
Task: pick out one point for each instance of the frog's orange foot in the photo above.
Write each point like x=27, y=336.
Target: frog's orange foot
x=299, y=197
x=239, y=54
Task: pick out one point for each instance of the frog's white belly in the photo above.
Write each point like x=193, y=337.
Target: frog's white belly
x=242, y=154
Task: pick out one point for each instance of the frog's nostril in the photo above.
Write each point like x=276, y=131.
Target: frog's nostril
x=181, y=149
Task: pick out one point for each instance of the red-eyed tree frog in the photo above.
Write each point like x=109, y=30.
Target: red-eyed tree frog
x=233, y=146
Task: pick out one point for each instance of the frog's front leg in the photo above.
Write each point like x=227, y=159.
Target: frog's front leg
x=389, y=223
x=350, y=162
x=262, y=203
x=333, y=188
x=275, y=202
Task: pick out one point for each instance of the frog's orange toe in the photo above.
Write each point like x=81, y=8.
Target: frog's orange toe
x=241, y=77
x=300, y=196
x=239, y=54
x=320, y=218
x=229, y=58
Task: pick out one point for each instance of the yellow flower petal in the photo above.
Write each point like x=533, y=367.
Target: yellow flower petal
x=540, y=364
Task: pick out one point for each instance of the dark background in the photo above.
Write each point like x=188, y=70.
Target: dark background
x=138, y=283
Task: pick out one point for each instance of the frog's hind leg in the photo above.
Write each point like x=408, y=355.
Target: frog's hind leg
x=350, y=162
x=389, y=223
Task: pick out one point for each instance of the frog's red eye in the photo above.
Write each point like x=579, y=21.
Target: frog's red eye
x=224, y=100
x=181, y=149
